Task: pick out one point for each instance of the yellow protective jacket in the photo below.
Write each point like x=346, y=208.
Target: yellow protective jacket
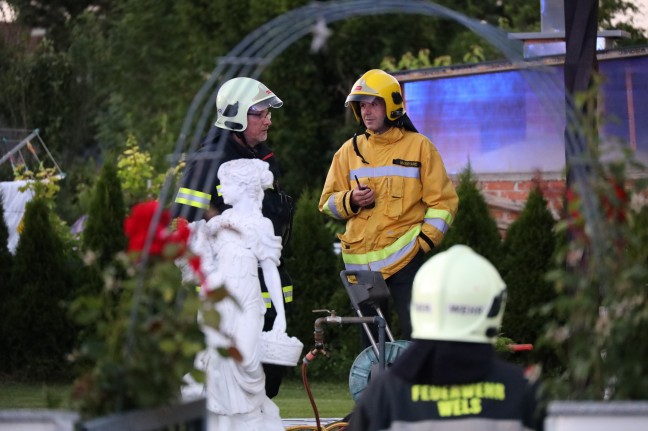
x=415, y=200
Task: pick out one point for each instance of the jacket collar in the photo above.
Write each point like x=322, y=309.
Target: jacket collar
x=444, y=362
x=392, y=135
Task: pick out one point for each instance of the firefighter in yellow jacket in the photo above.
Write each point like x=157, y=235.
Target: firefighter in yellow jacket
x=391, y=187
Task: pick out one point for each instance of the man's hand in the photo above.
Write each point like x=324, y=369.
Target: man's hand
x=363, y=197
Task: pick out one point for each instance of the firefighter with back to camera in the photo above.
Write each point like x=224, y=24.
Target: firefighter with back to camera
x=450, y=378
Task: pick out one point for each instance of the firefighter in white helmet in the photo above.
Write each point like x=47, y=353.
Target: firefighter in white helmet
x=450, y=377
x=244, y=116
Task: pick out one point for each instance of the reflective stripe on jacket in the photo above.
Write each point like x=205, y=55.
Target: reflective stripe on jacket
x=503, y=400
x=415, y=199
x=200, y=188
x=287, y=294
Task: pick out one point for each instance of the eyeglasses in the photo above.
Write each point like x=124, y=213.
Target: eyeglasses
x=261, y=115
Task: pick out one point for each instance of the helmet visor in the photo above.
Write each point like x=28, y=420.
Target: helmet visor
x=359, y=98
x=272, y=102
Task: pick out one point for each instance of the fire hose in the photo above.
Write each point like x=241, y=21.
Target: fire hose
x=319, y=348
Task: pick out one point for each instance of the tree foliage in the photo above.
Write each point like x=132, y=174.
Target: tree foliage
x=601, y=275
x=473, y=226
x=50, y=90
x=145, y=334
x=35, y=92
x=131, y=67
x=55, y=16
x=41, y=334
x=315, y=270
x=104, y=234
x=159, y=53
x=528, y=250
x=118, y=373
x=601, y=308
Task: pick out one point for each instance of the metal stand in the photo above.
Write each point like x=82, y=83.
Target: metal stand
x=369, y=287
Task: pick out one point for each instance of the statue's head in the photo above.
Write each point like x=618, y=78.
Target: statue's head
x=244, y=178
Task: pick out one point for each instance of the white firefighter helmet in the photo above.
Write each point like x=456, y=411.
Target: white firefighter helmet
x=237, y=97
x=457, y=295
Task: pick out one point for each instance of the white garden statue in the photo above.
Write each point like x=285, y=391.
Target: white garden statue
x=233, y=246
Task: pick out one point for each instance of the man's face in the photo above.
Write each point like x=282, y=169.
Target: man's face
x=257, y=128
x=373, y=114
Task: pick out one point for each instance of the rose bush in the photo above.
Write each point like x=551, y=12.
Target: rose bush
x=142, y=330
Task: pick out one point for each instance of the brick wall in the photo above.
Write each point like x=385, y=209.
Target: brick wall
x=507, y=194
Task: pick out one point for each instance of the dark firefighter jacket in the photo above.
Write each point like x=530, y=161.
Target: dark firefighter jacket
x=199, y=190
x=448, y=386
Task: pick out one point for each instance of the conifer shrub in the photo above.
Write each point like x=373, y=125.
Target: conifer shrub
x=103, y=234
x=527, y=257
x=315, y=271
x=41, y=335
x=473, y=225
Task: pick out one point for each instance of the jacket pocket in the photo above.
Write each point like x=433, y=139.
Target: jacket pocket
x=353, y=244
x=395, y=186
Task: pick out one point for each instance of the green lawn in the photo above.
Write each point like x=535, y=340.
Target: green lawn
x=33, y=395
x=332, y=399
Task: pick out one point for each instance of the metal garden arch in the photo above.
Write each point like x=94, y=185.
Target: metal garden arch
x=259, y=48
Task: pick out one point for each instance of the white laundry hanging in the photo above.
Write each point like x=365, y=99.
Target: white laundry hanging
x=14, y=202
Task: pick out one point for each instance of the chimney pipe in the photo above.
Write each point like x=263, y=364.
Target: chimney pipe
x=552, y=16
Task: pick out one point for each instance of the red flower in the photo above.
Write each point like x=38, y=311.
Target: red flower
x=178, y=236
x=576, y=219
x=614, y=205
x=136, y=228
x=168, y=242
x=194, y=262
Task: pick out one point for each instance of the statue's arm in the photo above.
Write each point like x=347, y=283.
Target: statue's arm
x=273, y=284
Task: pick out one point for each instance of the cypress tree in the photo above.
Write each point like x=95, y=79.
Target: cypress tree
x=529, y=247
x=6, y=262
x=104, y=230
x=473, y=226
x=315, y=270
x=40, y=333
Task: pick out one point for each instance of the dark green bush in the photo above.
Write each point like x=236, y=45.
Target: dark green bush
x=315, y=270
x=527, y=256
x=41, y=335
x=103, y=232
x=473, y=226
